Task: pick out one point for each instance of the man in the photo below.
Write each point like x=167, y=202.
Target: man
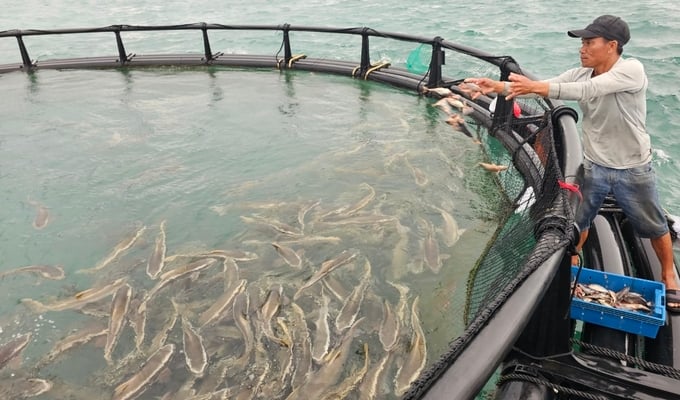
x=611, y=92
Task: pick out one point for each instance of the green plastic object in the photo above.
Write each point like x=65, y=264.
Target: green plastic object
x=418, y=60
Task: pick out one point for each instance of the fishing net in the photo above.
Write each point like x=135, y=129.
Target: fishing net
x=535, y=224
x=418, y=60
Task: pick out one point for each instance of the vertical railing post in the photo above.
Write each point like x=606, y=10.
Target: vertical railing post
x=502, y=114
x=365, y=53
x=206, y=43
x=25, y=58
x=436, y=62
x=287, y=52
x=122, y=55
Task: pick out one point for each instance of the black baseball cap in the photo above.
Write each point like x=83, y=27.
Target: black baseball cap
x=609, y=27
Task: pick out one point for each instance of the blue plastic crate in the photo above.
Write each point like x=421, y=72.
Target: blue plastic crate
x=639, y=323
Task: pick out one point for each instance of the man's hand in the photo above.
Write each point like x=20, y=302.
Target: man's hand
x=521, y=85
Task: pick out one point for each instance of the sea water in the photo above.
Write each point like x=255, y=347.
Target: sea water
x=108, y=151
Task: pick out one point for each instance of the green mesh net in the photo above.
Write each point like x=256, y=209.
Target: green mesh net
x=535, y=204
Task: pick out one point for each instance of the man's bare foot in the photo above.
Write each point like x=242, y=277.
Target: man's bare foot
x=673, y=300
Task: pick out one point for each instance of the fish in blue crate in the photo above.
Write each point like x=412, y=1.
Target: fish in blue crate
x=624, y=299
x=620, y=302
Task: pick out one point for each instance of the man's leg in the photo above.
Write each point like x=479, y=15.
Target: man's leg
x=663, y=247
x=595, y=187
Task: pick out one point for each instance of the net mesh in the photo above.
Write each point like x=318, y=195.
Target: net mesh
x=536, y=205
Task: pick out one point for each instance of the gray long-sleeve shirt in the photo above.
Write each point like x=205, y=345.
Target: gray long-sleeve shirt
x=614, y=106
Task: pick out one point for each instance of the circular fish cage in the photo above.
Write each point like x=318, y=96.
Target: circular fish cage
x=351, y=285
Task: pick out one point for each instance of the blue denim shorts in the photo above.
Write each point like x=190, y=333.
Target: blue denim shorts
x=635, y=191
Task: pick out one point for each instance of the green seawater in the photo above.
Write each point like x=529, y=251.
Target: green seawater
x=107, y=152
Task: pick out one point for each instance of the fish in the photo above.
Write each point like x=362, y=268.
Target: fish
x=328, y=373
x=472, y=90
x=122, y=246
x=13, y=348
x=303, y=212
x=288, y=342
x=361, y=203
x=81, y=336
x=470, y=86
x=350, y=309
x=388, y=333
x=195, y=355
x=440, y=91
x=633, y=307
x=322, y=335
x=446, y=103
x=157, y=259
x=634, y=298
x=272, y=223
x=403, y=299
x=443, y=105
x=455, y=102
x=493, y=167
x=269, y=308
x=218, y=307
x=119, y=310
x=623, y=299
x=597, y=288
x=430, y=246
x=174, y=274
x=370, y=387
x=230, y=272
x=137, y=320
x=390, y=327
x=54, y=272
x=78, y=300
x=289, y=255
x=236, y=255
x=241, y=309
x=148, y=373
x=623, y=293
x=365, y=219
x=416, y=357
x=311, y=239
x=42, y=216
x=345, y=257
x=25, y=388
x=342, y=390
x=335, y=287
x=302, y=347
x=465, y=129
x=450, y=232
x=418, y=174
x=458, y=123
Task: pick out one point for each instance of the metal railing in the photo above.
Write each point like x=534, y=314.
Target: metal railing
x=208, y=57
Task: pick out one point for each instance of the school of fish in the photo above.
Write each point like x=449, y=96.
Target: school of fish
x=294, y=307
x=313, y=322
